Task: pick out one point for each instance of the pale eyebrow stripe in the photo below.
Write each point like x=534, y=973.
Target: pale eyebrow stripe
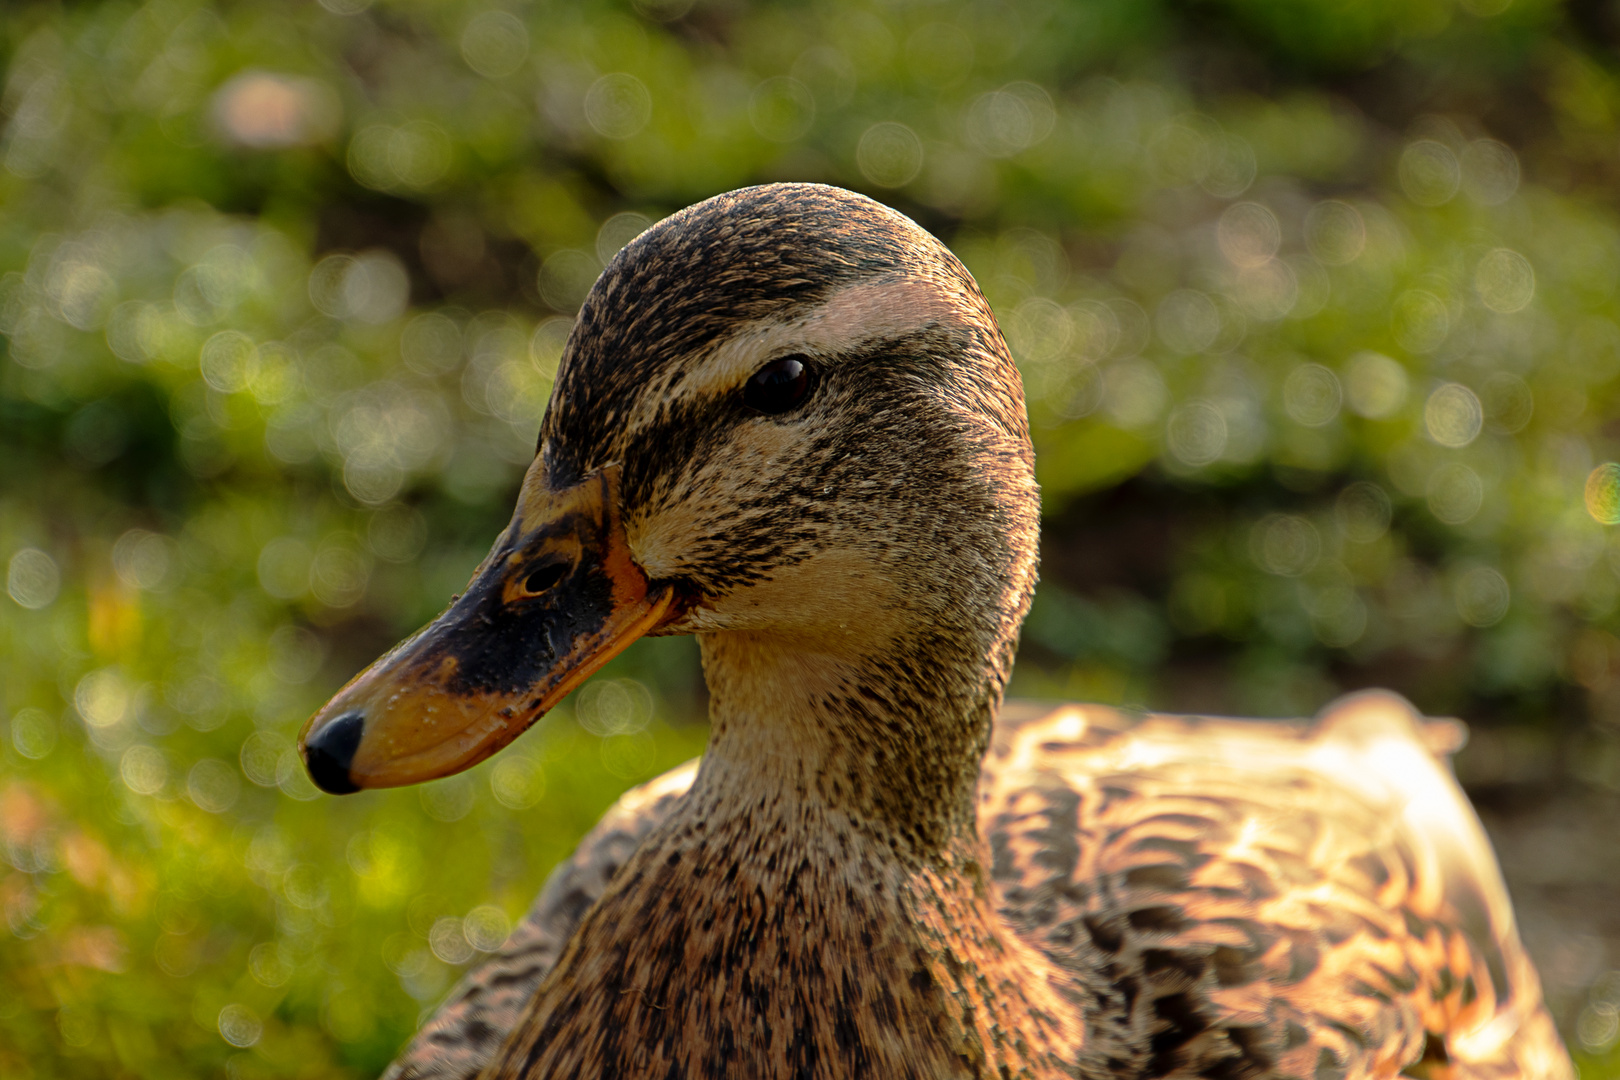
x=869, y=311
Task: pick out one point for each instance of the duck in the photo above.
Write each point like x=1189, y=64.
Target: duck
x=787, y=423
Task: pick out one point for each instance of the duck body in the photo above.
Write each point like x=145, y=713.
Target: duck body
x=1213, y=896
x=786, y=423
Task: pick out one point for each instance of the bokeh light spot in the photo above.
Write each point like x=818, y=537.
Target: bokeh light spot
x=266, y=110
x=326, y=285
x=240, y=1025
x=228, y=361
x=1312, y=395
x=619, y=230
x=293, y=779
x=1181, y=153
x=448, y=800
x=1248, y=234
x=132, y=331
x=1421, y=321
x=1375, y=385
x=547, y=343
x=1267, y=292
x=261, y=755
x=1429, y=172
x=144, y=768
x=1364, y=512
x=430, y=344
x=213, y=785
x=32, y=579
x=889, y=154
x=1482, y=595
x=1603, y=493
x=495, y=44
x=372, y=287
x=33, y=733
x=614, y=707
x=1187, y=321
x=78, y=1024
x=1075, y=391
x=1490, y=172
x=1338, y=616
x=486, y=927
x=396, y=533
x=517, y=782
x=102, y=698
x=269, y=964
x=1134, y=394
x=566, y=277
x=339, y=571
x=1455, y=493
x=1006, y=121
x=1039, y=330
x=1196, y=433
x=35, y=338
x=1285, y=544
x=414, y=156
x=1335, y=232
x=449, y=942
x=1453, y=415
x=1505, y=281
x=629, y=756
x=1597, y=1028
x=618, y=105
x=1231, y=167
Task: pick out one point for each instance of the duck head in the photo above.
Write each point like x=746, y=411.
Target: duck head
x=785, y=421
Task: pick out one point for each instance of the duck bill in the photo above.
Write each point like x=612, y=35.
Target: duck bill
x=558, y=596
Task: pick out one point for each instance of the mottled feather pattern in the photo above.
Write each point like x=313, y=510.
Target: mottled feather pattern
x=488, y=1001
x=1311, y=900
x=1225, y=923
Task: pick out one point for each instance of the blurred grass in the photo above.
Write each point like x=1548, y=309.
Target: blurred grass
x=1316, y=304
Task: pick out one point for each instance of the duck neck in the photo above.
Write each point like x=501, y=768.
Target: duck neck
x=818, y=904
x=891, y=739
x=861, y=771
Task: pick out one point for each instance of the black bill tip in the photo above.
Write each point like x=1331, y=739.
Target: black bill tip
x=330, y=751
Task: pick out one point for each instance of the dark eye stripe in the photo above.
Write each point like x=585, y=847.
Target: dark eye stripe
x=779, y=386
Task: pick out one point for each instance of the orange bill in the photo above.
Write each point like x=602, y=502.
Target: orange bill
x=558, y=597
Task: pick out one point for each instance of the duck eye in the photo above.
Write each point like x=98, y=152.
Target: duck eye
x=544, y=578
x=779, y=386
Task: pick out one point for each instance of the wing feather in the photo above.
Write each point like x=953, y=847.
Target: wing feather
x=1310, y=899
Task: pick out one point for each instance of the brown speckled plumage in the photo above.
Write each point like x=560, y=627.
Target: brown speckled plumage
x=869, y=873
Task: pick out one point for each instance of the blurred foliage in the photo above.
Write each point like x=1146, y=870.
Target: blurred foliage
x=1316, y=303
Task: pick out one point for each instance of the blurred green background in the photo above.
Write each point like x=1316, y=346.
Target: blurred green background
x=1316, y=303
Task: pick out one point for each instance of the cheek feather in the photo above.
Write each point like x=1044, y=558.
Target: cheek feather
x=841, y=601
x=690, y=509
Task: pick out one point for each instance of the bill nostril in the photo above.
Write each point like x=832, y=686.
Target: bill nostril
x=544, y=578
x=329, y=752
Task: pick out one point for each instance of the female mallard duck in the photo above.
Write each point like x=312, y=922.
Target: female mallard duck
x=786, y=423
